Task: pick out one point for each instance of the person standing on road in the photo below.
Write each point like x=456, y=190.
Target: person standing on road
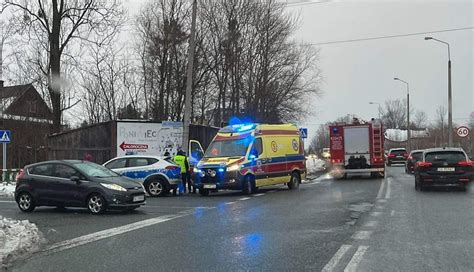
x=182, y=161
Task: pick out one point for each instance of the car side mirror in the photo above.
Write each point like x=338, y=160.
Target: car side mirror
x=75, y=179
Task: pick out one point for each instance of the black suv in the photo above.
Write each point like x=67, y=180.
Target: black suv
x=71, y=183
x=412, y=159
x=443, y=167
x=396, y=155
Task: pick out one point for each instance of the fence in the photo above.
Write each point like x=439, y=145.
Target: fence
x=9, y=175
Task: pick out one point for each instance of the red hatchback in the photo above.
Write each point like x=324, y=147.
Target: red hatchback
x=444, y=167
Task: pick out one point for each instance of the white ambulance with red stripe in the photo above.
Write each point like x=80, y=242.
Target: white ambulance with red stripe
x=248, y=156
x=357, y=148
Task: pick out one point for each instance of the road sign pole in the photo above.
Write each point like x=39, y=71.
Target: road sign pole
x=4, y=163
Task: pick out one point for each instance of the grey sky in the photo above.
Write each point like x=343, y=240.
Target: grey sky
x=358, y=72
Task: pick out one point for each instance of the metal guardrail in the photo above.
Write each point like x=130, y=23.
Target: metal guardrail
x=9, y=175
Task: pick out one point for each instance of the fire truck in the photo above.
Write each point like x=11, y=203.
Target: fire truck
x=357, y=148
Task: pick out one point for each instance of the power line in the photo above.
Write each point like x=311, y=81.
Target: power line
x=305, y=3
x=391, y=36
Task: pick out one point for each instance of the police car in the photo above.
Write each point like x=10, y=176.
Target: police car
x=157, y=174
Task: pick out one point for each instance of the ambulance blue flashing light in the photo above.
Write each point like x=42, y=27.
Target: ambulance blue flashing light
x=243, y=127
x=221, y=170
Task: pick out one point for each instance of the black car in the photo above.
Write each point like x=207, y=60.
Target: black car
x=443, y=167
x=396, y=155
x=70, y=183
x=413, y=158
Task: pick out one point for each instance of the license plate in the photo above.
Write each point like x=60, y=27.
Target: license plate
x=446, y=169
x=209, y=186
x=138, y=198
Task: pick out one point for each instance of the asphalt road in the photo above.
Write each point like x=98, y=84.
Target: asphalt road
x=326, y=224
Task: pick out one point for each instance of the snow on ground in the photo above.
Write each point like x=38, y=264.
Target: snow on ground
x=7, y=189
x=315, y=165
x=17, y=239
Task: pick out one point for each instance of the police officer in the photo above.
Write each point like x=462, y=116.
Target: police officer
x=182, y=161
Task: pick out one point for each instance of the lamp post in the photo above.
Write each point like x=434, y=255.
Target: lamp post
x=450, y=101
x=376, y=103
x=408, y=113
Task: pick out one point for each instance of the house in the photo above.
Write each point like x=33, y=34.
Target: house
x=25, y=113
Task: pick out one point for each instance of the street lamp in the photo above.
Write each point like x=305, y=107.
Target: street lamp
x=376, y=103
x=408, y=113
x=450, y=101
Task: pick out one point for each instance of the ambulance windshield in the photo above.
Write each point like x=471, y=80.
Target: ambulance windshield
x=227, y=148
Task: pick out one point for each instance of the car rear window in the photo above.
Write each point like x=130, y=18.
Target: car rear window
x=42, y=170
x=398, y=152
x=417, y=155
x=445, y=156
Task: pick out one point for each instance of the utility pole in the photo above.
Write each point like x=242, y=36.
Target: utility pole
x=408, y=114
x=450, y=99
x=189, y=81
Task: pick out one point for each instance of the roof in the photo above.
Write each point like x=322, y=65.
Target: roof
x=139, y=156
x=437, y=149
x=417, y=151
x=14, y=91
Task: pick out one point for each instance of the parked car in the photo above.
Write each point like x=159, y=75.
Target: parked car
x=396, y=155
x=413, y=158
x=158, y=175
x=443, y=167
x=70, y=183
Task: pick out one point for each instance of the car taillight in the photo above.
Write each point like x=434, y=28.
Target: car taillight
x=172, y=167
x=424, y=164
x=20, y=175
x=466, y=163
x=392, y=156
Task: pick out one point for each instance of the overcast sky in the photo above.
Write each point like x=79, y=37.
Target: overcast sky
x=356, y=73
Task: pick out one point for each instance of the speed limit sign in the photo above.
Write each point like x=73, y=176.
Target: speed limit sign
x=462, y=131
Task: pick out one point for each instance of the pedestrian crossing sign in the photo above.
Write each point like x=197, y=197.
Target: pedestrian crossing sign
x=304, y=133
x=5, y=136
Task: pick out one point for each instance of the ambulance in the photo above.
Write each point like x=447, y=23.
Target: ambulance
x=249, y=156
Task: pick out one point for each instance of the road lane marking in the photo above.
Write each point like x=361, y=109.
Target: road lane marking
x=382, y=186
x=230, y=203
x=371, y=224
x=331, y=265
x=244, y=198
x=7, y=201
x=387, y=193
x=376, y=213
x=362, y=235
x=262, y=194
x=356, y=259
x=107, y=233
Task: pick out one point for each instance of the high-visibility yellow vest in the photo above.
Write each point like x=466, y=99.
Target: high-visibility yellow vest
x=180, y=161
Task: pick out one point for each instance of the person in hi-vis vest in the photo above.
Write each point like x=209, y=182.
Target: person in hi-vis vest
x=182, y=161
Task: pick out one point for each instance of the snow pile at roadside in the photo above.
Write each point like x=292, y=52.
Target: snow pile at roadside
x=315, y=165
x=17, y=238
x=7, y=189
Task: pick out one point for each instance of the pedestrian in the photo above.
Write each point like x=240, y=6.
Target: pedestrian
x=182, y=161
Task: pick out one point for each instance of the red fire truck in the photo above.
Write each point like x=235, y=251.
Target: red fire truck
x=358, y=148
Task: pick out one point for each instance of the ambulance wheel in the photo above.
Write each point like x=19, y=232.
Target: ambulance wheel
x=295, y=181
x=204, y=192
x=248, y=186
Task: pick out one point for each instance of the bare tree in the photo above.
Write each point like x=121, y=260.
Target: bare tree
x=420, y=119
x=394, y=115
x=57, y=24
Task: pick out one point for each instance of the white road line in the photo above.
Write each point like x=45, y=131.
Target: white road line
x=7, y=201
x=331, y=265
x=103, y=234
x=382, y=186
x=356, y=259
x=376, y=213
x=371, y=224
x=362, y=235
x=244, y=198
x=230, y=203
x=262, y=194
x=387, y=193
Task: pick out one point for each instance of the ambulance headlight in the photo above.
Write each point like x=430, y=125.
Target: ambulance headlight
x=234, y=167
x=199, y=172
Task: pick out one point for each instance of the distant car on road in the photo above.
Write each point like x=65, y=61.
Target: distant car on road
x=413, y=158
x=326, y=154
x=158, y=175
x=444, y=167
x=70, y=183
x=396, y=155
